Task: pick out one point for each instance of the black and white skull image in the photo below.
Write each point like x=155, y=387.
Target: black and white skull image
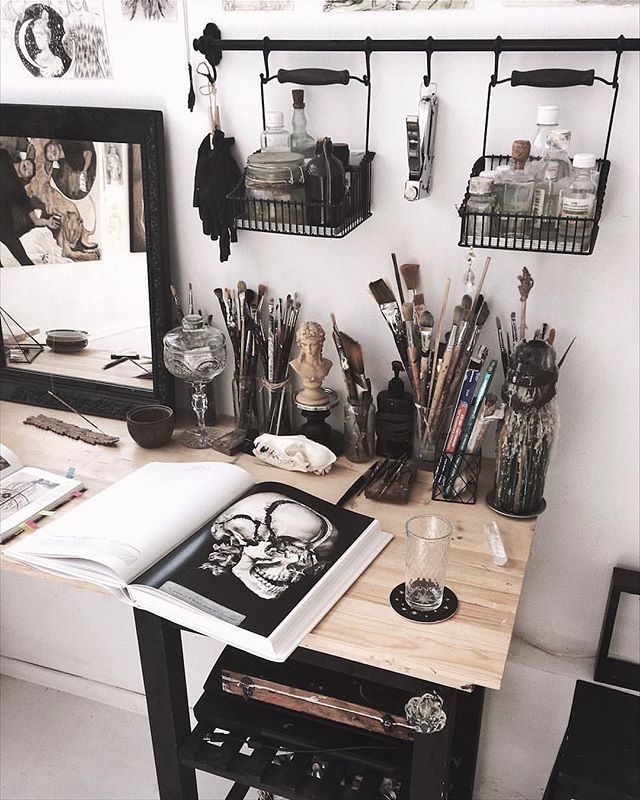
x=270, y=542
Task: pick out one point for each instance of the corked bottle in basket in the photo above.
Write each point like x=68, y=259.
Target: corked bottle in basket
x=324, y=178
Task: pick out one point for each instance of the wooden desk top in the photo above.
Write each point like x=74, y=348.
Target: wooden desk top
x=471, y=648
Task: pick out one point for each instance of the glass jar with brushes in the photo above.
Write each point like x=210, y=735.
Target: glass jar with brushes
x=359, y=430
x=245, y=403
x=275, y=407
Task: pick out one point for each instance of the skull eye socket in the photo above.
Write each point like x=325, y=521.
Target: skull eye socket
x=305, y=560
x=240, y=527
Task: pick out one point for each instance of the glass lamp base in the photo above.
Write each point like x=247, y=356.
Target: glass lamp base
x=197, y=438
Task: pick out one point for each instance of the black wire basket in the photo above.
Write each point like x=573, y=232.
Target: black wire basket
x=333, y=220
x=542, y=234
x=528, y=232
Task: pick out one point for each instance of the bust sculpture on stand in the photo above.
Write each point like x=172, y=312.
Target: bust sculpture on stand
x=314, y=401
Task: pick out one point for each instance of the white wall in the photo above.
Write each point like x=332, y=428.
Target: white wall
x=591, y=523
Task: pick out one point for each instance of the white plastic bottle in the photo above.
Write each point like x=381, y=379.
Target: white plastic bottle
x=547, y=121
x=275, y=138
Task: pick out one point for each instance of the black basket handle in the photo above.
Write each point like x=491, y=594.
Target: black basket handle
x=553, y=78
x=311, y=76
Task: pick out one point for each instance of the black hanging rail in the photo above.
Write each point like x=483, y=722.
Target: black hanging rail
x=621, y=44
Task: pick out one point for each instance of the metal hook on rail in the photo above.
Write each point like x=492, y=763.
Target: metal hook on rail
x=429, y=52
x=266, y=50
x=497, y=52
x=367, y=48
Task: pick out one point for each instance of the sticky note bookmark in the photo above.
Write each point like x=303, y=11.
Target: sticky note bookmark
x=71, y=472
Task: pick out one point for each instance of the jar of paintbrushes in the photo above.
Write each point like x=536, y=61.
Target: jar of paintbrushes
x=275, y=407
x=359, y=430
x=359, y=411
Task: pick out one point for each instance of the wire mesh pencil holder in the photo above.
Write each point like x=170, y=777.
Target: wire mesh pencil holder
x=456, y=477
x=302, y=218
x=528, y=232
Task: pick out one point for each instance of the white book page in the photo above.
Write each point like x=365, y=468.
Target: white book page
x=9, y=461
x=132, y=524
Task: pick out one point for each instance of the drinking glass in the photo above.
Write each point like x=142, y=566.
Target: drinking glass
x=428, y=539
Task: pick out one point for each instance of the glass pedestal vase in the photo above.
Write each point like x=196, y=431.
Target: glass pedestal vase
x=424, y=439
x=359, y=430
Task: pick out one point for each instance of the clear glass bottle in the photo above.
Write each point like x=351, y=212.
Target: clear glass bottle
x=275, y=408
x=359, y=430
x=301, y=142
x=245, y=403
x=275, y=138
x=546, y=199
x=195, y=352
x=546, y=122
x=578, y=200
x=481, y=204
x=556, y=150
x=517, y=193
x=498, y=184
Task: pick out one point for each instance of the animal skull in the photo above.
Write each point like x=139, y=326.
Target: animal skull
x=295, y=453
x=269, y=542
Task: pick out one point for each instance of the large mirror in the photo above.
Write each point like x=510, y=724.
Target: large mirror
x=84, y=282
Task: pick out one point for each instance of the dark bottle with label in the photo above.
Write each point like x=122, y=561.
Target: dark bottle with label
x=324, y=180
x=394, y=418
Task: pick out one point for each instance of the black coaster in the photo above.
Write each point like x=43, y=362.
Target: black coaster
x=448, y=607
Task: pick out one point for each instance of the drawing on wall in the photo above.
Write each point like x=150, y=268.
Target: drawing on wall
x=16, y=495
x=150, y=10
x=395, y=5
x=50, y=200
x=571, y=2
x=137, y=234
x=113, y=164
x=258, y=5
x=270, y=542
x=60, y=38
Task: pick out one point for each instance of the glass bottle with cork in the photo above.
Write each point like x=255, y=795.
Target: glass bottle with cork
x=301, y=142
x=517, y=197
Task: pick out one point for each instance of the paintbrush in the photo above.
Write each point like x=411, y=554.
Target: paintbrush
x=344, y=361
x=469, y=347
x=355, y=359
x=425, y=322
x=439, y=393
x=397, y=274
x=514, y=329
x=566, y=352
x=413, y=352
x=476, y=304
x=383, y=296
x=410, y=274
x=176, y=301
x=525, y=285
x=436, y=338
x=551, y=337
x=503, y=352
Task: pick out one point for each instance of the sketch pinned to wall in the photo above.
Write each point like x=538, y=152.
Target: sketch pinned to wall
x=60, y=38
x=150, y=10
x=395, y=5
x=258, y=5
x=137, y=233
x=49, y=206
x=571, y=3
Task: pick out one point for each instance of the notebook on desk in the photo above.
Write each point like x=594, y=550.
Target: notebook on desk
x=253, y=565
x=27, y=492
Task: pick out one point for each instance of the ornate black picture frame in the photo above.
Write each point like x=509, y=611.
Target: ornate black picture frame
x=610, y=669
x=141, y=127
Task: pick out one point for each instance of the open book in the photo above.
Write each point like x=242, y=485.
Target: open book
x=25, y=492
x=253, y=565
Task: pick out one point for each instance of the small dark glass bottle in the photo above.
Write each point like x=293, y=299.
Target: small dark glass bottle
x=394, y=418
x=324, y=180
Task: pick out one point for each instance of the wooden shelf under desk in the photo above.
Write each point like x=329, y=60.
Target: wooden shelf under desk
x=469, y=649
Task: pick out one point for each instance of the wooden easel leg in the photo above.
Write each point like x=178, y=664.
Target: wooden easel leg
x=160, y=646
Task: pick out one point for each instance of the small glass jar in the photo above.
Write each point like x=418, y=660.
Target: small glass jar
x=245, y=403
x=424, y=445
x=481, y=204
x=275, y=408
x=359, y=430
x=274, y=188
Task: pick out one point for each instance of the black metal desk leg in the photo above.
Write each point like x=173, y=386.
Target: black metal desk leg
x=160, y=646
x=466, y=737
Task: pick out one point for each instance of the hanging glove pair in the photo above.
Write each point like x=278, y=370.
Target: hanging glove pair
x=217, y=174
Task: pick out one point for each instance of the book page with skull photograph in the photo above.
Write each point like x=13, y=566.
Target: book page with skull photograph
x=256, y=562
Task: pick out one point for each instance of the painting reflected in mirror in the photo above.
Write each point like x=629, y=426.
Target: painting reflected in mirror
x=73, y=253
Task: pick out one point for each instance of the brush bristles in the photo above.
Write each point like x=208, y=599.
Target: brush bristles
x=418, y=299
x=381, y=292
x=424, y=318
x=410, y=273
x=483, y=315
x=354, y=353
x=407, y=312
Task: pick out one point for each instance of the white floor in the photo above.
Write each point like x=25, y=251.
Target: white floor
x=58, y=746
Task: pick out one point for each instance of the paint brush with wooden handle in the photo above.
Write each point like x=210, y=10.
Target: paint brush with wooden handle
x=436, y=338
x=388, y=306
x=439, y=393
x=410, y=274
x=397, y=274
x=413, y=352
x=425, y=322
